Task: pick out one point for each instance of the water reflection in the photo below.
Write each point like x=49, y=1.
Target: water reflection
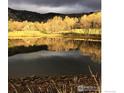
x=57, y=56
x=51, y=63
x=92, y=49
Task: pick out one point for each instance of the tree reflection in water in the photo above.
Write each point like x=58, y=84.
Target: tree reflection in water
x=89, y=48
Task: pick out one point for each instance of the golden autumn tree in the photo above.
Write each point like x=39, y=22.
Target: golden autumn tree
x=70, y=22
x=85, y=22
x=15, y=26
x=58, y=24
x=91, y=21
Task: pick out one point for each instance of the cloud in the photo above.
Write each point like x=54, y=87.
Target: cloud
x=61, y=6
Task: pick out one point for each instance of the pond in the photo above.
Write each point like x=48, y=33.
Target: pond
x=62, y=57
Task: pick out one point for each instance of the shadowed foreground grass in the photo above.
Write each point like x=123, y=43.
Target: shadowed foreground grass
x=56, y=84
x=53, y=84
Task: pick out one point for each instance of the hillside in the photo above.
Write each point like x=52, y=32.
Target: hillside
x=22, y=15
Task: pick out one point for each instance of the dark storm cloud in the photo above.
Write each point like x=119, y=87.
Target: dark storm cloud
x=70, y=5
x=46, y=2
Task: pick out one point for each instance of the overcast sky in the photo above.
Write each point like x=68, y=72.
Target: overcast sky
x=59, y=6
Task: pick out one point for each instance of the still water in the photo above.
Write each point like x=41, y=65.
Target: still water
x=58, y=60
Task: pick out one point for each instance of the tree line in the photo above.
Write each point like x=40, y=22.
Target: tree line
x=58, y=24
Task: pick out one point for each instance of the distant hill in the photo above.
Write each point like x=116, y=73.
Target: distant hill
x=22, y=15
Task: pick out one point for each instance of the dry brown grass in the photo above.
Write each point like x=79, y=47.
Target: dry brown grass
x=55, y=84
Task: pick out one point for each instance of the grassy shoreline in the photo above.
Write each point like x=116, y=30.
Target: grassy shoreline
x=59, y=34
x=93, y=35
